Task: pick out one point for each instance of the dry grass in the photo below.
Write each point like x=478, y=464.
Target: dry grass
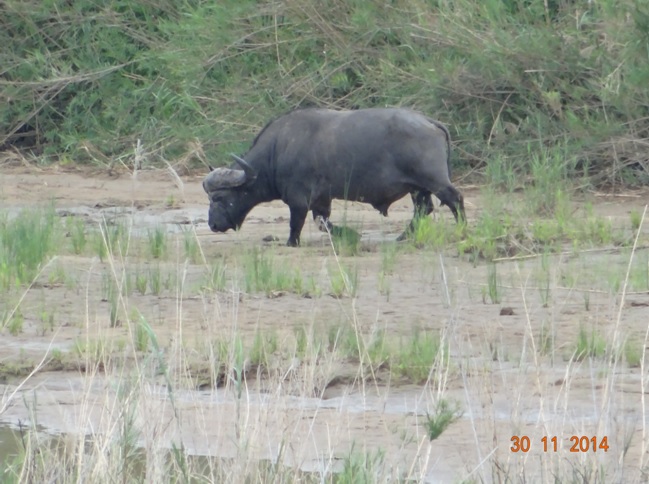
x=185, y=374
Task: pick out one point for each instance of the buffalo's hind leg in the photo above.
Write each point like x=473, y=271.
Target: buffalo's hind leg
x=423, y=206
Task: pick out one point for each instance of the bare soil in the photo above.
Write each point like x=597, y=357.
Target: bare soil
x=505, y=384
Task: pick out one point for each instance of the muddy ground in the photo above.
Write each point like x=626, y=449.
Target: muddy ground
x=503, y=382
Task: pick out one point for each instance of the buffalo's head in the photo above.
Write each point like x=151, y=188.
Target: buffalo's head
x=230, y=199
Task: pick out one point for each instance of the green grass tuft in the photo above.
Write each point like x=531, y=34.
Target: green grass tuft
x=26, y=242
x=157, y=242
x=443, y=416
x=633, y=353
x=343, y=281
x=361, y=467
x=262, y=274
x=346, y=240
x=415, y=359
x=589, y=344
x=76, y=228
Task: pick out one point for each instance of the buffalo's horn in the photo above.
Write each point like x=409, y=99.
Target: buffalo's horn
x=251, y=173
x=223, y=178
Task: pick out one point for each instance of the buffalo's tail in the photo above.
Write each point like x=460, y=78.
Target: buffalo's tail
x=448, y=143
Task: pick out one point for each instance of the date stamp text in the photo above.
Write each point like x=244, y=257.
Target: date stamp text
x=576, y=443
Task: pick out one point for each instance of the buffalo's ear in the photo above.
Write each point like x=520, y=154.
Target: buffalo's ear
x=251, y=173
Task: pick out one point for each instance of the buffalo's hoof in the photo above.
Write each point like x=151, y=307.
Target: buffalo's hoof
x=404, y=236
x=293, y=243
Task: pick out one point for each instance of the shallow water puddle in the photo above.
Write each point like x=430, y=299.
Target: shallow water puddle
x=174, y=220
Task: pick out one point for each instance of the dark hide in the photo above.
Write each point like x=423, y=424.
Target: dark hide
x=309, y=157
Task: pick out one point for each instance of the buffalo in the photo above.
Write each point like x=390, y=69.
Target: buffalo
x=308, y=157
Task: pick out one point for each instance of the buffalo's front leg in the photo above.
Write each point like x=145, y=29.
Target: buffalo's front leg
x=298, y=216
x=321, y=216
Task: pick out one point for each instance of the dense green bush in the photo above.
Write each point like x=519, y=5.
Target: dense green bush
x=87, y=80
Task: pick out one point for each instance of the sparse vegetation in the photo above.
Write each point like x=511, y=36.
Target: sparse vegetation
x=141, y=281
x=544, y=280
x=14, y=322
x=372, y=350
x=77, y=232
x=346, y=240
x=305, y=360
x=423, y=358
x=157, y=242
x=389, y=253
x=216, y=276
x=192, y=249
x=633, y=354
x=444, y=415
x=142, y=332
x=343, y=281
x=416, y=357
x=57, y=274
x=431, y=234
x=361, y=467
x=112, y=238
x=493, y=285
x=262, y=274
x=264, y=346
x=155, y=280
x=639, y=276
x=26, y=242
x=546, y=342
x=636, y=218
x=179, y=347
x=590, y=344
